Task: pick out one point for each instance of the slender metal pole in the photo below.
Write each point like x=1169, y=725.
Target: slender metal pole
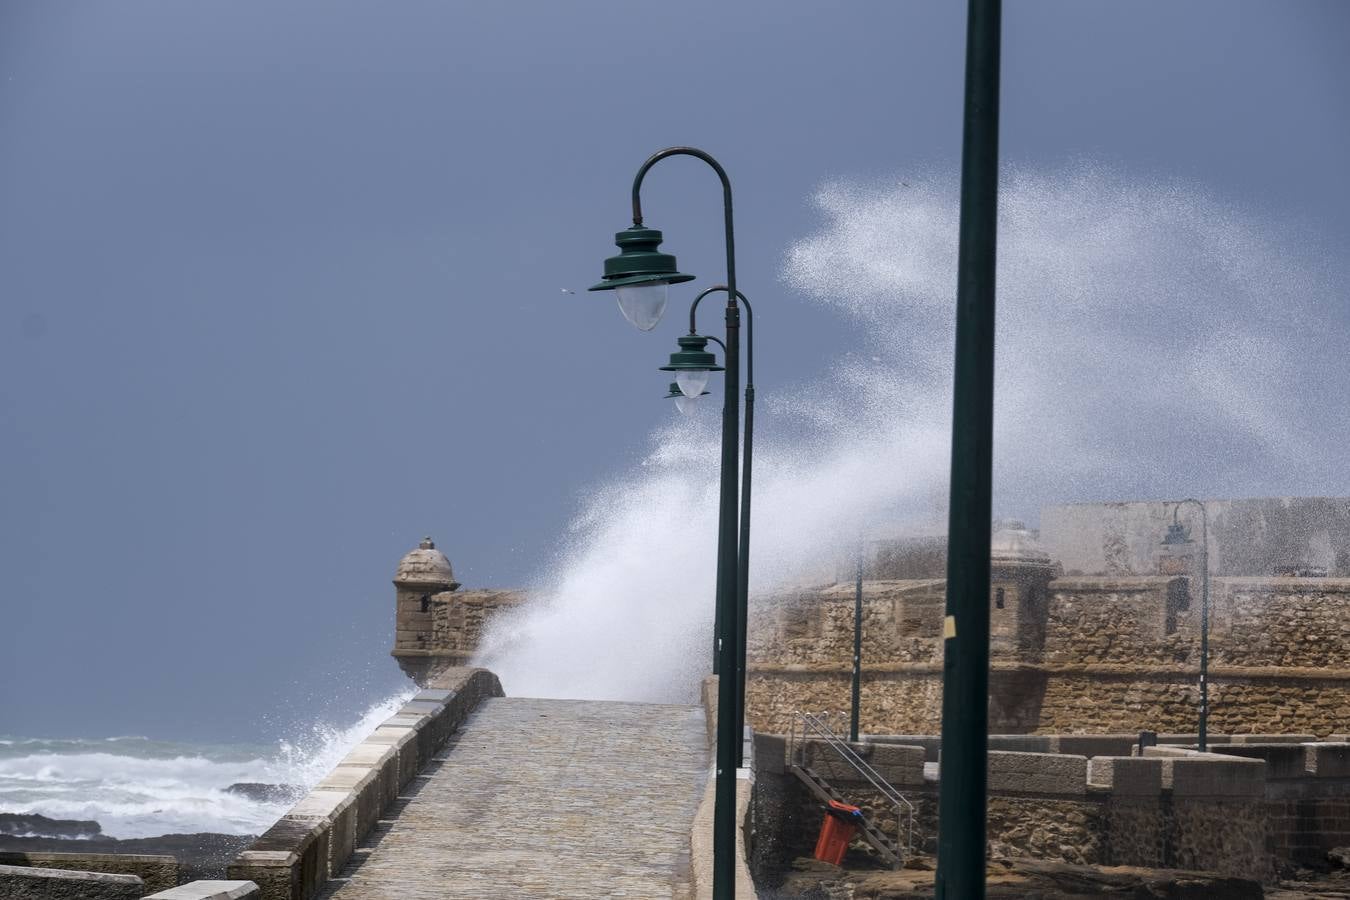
x=743, y=562
x=747, y=457
x=1204, y=619
x=857, y=648
x=728, y=736
x=965, y=682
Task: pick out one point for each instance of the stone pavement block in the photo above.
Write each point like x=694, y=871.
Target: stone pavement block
x=34, y=883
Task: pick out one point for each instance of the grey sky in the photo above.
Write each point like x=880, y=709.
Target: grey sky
x=280, y=283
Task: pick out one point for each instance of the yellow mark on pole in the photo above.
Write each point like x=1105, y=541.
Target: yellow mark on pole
x=949, y=627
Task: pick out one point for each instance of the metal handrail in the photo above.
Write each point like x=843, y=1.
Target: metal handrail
x=819, y=724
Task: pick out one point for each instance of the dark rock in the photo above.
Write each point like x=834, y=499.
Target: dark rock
x=266, y=793
x=32, y=823
x=1340, y=857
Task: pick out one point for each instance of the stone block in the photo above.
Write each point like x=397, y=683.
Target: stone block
x=1091, y=745
x=35, y=883
x=158, y=872
x=210, y=890
x=276, y=872
x=420, y=707
x=369, y=754
x=931, y=744
x=389, y=734
x=1272, y=738
x=1282, y=760
x=434, y=695
x=337, y=812
x=1037, y=773
x=1127, y=776
x=1020, y=743
x=288, y=860
x=1210, y=775
x=900, y=764
x=1327, y=760
x=770, y=753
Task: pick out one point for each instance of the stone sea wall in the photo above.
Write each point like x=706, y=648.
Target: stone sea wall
x=1096, y=655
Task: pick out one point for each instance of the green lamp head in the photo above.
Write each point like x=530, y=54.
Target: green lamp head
x=640, y=275
x=692, y=364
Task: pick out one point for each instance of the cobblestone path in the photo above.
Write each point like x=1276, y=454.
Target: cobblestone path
x=543, y=799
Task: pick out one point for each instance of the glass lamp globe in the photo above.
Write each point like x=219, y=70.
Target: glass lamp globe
x=643, y=304
x=692, y=382
x=685, y=404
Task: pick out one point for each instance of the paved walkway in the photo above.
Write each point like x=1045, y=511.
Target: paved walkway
x=543, y=799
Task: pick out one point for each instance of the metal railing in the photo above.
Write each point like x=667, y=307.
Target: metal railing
x=820, y=726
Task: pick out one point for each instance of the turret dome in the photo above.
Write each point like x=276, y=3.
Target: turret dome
x=426, y=566
x=1012, y=542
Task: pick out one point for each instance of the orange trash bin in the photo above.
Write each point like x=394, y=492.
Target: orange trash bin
x=840, y=825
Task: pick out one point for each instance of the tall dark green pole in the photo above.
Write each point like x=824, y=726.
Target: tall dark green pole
x=728, y=735
x=856, y=699
x=965, y=677
x=743, y=558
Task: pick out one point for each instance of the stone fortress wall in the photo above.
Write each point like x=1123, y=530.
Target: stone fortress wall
x=1093, y=628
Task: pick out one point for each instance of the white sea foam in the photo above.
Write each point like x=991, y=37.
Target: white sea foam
x=135, y=787
x=1153, y=341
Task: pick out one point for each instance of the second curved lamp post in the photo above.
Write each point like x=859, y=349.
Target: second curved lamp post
x=640, y=276
x=1178, y=541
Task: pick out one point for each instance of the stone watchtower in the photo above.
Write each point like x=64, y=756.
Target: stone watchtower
x=1020, y=576
x=421, y=575
x=437, y=624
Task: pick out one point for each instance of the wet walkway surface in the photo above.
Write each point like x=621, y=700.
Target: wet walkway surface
x=543, y=799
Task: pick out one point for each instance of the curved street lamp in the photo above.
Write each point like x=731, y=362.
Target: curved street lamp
x=1177, y=542
x=640, y=275
x=689, y=363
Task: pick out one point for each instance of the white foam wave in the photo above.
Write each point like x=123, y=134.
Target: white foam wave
x=1153, y=341
x=157, y=793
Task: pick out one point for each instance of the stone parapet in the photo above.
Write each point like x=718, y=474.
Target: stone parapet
x=36, y=883
x=1287, y=760
x=294, y=858
x=210, y=890
x=157, y=872
x=1043, y=774
x=1127, y=776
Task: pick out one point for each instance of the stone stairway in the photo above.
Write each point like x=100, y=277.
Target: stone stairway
x=885, y=847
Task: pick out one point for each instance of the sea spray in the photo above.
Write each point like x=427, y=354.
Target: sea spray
x=1153, y=341
x=136, y=787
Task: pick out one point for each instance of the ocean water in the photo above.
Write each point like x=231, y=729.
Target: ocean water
x=136, y=787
